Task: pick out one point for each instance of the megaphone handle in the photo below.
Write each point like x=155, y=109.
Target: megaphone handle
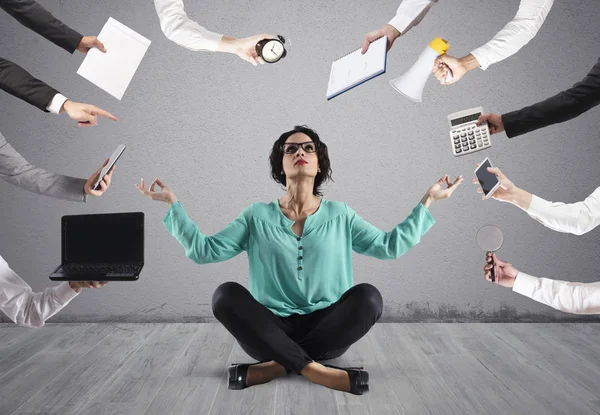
x=449, y=76
x=492, y=275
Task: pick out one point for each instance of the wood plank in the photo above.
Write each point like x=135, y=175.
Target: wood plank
x=370, y=410
x=141, y=377
x=185, y=395
x=9, y=332
x=380, y=392
x=258, y=399
x=22, y=383
x=77, y=386
x=297, y=395
x=32, y=376
x=207, y=354
x=411, y=359
x=29, y=344
x=409, y=401
x=532, y=385
x=109, y=408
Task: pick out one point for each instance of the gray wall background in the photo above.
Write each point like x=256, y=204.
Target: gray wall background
x=204, y=124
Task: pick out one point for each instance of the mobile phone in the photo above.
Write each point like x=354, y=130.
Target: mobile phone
x=488, y=181
x=111, y=162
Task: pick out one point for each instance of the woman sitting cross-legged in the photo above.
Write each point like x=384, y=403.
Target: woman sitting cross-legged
x=301, y=306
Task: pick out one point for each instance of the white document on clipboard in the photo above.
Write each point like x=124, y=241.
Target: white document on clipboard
x=355, y=68
x=112, y=71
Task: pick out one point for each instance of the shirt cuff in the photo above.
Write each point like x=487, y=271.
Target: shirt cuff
x=427, y=213
x=56, y=103
x=479, y=54
x=65, y=293
x=525, y=284
x=537, y=206
x=213, y=40
x=401, y=22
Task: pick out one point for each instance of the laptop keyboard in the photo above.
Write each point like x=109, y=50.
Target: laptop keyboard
x=121, y=269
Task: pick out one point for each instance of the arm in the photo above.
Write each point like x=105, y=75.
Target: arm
x=33, y=16
x=204, y=249
x=15, y=170
x=576, y=218
x=410, y=13
x=516, y=34
x=180, y=29
x=25, y=307
x=371, y=241
x=18, y=82
x=570, y=297
x=561, y=107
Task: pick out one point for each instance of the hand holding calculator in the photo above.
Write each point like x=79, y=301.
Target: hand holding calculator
x=467, y=137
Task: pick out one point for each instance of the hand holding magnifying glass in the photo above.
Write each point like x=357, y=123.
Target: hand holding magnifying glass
x=490, y=239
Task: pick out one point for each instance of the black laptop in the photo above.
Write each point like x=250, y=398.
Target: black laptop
x=104, y=247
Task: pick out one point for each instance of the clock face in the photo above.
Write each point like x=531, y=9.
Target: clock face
x=272, y=51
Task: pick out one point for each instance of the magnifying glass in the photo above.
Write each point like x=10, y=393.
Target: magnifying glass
x=490, y=239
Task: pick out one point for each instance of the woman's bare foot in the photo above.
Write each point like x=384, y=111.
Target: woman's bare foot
x=332, y=378
x=264, y=372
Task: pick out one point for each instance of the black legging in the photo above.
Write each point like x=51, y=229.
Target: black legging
x=297, y=340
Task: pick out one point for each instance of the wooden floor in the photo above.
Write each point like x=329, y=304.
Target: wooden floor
x=414, y=369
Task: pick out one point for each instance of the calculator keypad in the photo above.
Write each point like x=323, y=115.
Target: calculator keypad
x=470, y=138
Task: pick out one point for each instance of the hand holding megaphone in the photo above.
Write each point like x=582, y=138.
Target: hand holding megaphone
x=446, y=65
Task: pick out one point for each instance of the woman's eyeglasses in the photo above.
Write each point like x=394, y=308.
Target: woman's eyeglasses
x=292, y=148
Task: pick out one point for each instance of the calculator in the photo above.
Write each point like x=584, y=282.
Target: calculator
x=465, y=136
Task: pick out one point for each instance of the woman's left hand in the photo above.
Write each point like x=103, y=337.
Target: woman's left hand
x=438, y=191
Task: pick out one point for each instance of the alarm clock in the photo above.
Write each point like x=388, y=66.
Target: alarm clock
x=271, y=50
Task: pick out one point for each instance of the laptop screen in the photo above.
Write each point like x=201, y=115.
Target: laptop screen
x=103, y=238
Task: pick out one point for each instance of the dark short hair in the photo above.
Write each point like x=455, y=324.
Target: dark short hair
x=276, y=158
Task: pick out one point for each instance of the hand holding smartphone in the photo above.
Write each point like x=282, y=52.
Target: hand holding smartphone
x=111, y=162
x=488, y=181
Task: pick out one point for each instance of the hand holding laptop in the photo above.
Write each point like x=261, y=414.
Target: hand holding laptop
x=104, y=183
x=78, y=285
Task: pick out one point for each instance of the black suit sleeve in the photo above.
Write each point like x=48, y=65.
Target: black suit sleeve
x=561, y=107
x=33, y=16
x=18, y=82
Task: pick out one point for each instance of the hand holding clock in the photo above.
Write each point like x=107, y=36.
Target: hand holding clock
x=244, y=48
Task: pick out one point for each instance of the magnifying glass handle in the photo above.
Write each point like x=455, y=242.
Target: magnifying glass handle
x=492, y=275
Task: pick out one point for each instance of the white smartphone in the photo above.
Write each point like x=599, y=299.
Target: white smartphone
x=111, y=162
x=488, y=181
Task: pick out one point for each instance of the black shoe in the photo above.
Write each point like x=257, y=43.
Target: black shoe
x=359, y=379
x=237, y=375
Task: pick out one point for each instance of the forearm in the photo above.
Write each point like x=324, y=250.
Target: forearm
x=569, y=297
x=409, y=14
x=516, y=34
x=520, y=198
x=14, y=169
x=179, y=28
x=576, y=218
x=21, y=84
x=561, y=107
x=38, y=307
x=33, y=16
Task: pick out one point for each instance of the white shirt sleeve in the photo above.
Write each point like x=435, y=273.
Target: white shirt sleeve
x=570, y=297
x=56, y=103
x=410, y=13
x=516, y=34
x=576, y=218
x=25, y=307
x=178, y=28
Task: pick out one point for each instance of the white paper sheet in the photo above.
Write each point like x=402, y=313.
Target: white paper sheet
x=355, y=68
x=112, y=71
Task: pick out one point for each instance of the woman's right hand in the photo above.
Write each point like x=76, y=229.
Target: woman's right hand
x=163, y=195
